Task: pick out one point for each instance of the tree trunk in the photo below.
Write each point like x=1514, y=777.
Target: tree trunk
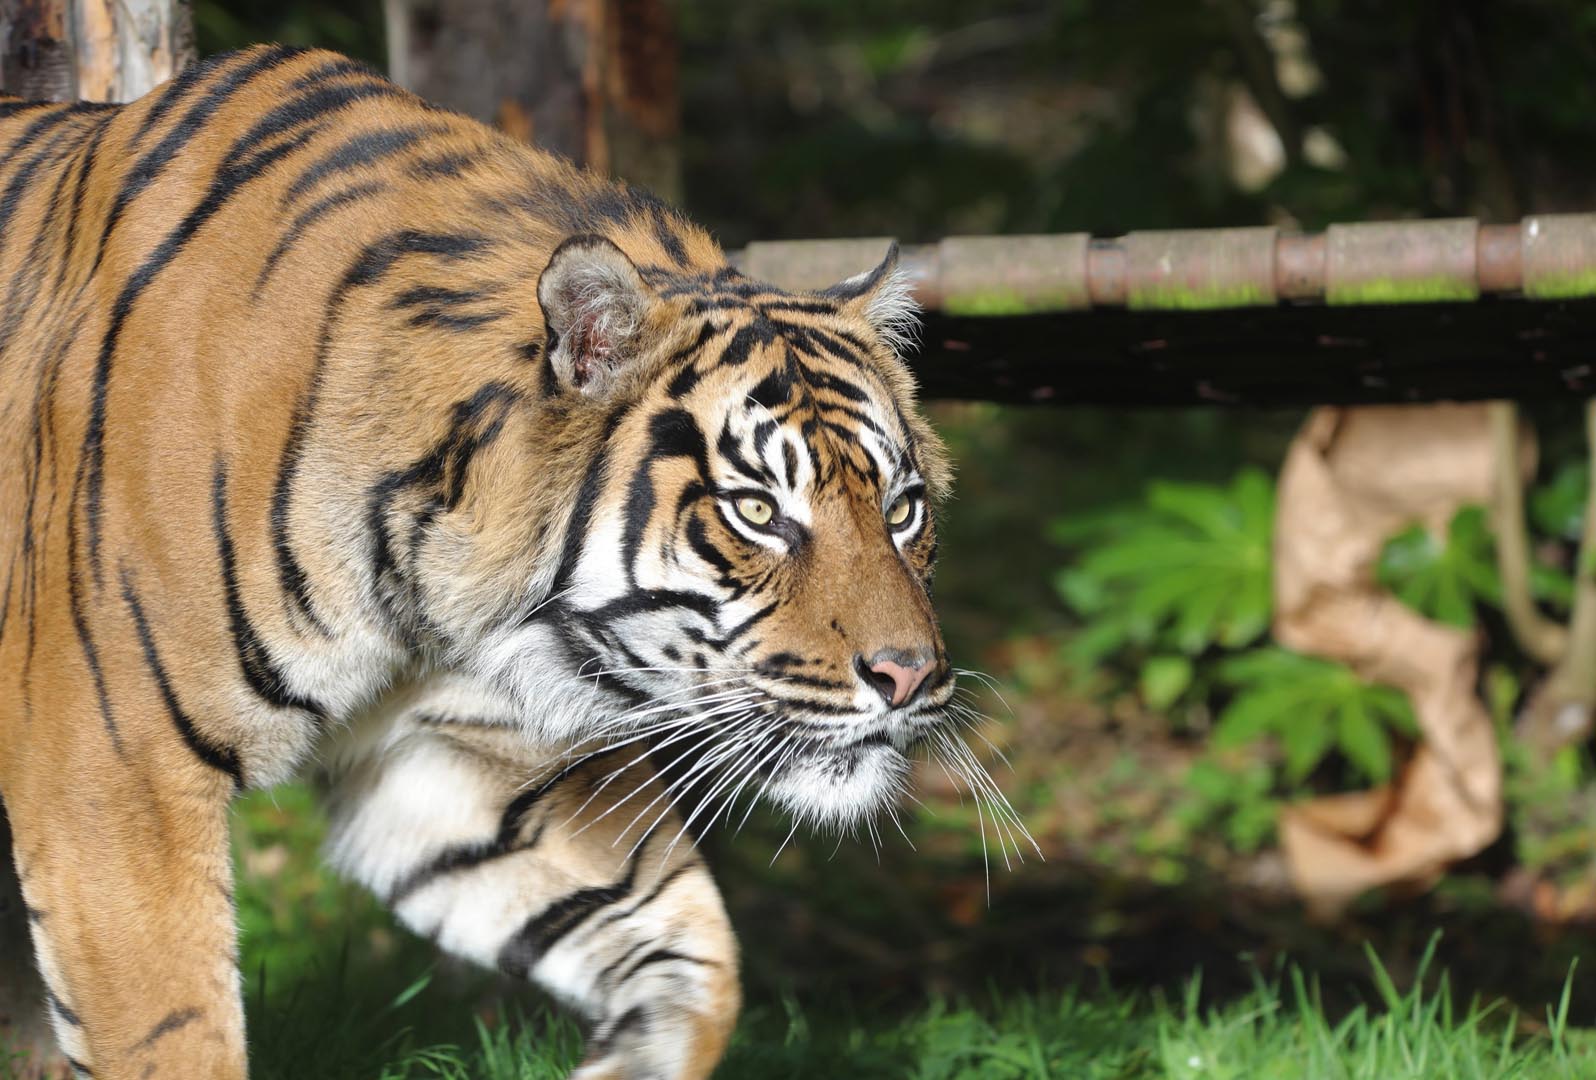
x=92, y=50
x=594, y=80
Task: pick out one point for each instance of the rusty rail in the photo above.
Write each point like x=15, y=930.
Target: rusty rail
x=1545, y=257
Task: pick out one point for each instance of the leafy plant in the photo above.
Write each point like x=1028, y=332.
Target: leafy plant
x=1236, y=796
x=1557, y=508
x=1164, y=580
x=1312, y=707
x=1444, y=578
x=1449, y=578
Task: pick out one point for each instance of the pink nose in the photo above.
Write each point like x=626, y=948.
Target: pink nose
x=894, y=681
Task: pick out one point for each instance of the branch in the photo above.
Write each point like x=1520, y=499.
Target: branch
x=1576, y=675
x=1541, y=638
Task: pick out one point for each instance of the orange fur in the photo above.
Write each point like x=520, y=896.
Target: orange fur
x=234, y=313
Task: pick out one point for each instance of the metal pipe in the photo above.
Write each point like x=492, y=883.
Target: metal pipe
x=1545, y=257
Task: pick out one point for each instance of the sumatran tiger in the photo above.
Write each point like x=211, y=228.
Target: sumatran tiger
x=340, y=434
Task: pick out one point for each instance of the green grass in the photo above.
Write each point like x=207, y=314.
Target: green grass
x=1279, y=1030
x=335, y=1025
x=335, y=991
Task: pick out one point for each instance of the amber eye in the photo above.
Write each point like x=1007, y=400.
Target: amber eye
x=755, y=510
x=901, y=510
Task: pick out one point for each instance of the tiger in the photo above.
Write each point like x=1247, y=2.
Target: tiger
x=346, y=437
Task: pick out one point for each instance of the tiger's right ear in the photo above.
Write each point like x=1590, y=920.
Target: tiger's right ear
x=594, y=303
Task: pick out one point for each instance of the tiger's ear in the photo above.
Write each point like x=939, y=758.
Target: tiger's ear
x=884, y=297
x=594, y=303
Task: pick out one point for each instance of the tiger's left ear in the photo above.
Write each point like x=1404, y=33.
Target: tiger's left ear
x=885, y=299
x=594, y=304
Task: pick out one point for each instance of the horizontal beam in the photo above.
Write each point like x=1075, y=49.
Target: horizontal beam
x=1545, y=257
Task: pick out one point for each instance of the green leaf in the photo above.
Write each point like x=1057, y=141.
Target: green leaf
x=1188, y=567
x=1198, y=620
x=1210, y=781
x=1211, y=512
x=1256, y=712
x=1444, y=578
x=1363, y=741
x=1164, y=679
x=1250, y=610
x=1557, y=508
x=1307, y=740
x=1081, y=591
x=1255, y=496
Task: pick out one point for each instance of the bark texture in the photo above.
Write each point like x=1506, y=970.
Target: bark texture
x=594, y=80
x=92, y=50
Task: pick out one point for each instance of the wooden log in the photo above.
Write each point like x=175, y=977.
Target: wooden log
x=125, y=48
x=92, y=50
x=594, y=80
x=37, y=61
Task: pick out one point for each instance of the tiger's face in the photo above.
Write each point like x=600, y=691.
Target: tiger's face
x=752, y=583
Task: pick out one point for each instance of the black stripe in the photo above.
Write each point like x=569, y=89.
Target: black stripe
x=505, y=842
x=237, y=171
x=652, y=600
x=172, y=1021
x=448, y=320
x=11, y=108
x=586, y=499
x=23, y=287
x=38, y=128
x=80, y=620
x=308, y=217
x=331, y=70
x=21, y=181
x=254, y=659
x=665, y=232
x=368, y=267
x=223, y=759
x=363, y=149
x=599, y=1045
x=61, y=1009
x=446, y=165
x=473, y=425
x=548, y=927
x=688, y=377
x=85, y=170
x=663, y=956
x=299, y=112
x=152, y=164
x=698, y=541
x=437, y=294
x=178, y=87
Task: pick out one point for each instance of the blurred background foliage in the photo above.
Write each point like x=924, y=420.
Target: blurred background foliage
x=1110, y=570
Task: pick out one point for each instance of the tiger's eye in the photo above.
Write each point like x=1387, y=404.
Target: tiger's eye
x=900, y=511
x=754, y=510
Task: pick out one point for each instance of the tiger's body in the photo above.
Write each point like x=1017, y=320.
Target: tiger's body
x=337, y=428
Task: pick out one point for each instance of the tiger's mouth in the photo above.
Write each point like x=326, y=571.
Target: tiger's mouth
x=832, y=779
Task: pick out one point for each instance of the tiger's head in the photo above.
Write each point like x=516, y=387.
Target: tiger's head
x=746, y=576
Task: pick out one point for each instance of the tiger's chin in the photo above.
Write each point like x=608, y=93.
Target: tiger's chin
x=842, y=787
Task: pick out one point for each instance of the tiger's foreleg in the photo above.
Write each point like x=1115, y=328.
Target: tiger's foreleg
x=128, y=892
x=501, y=858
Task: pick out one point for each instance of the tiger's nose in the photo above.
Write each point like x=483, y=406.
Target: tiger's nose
x=894, y=675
